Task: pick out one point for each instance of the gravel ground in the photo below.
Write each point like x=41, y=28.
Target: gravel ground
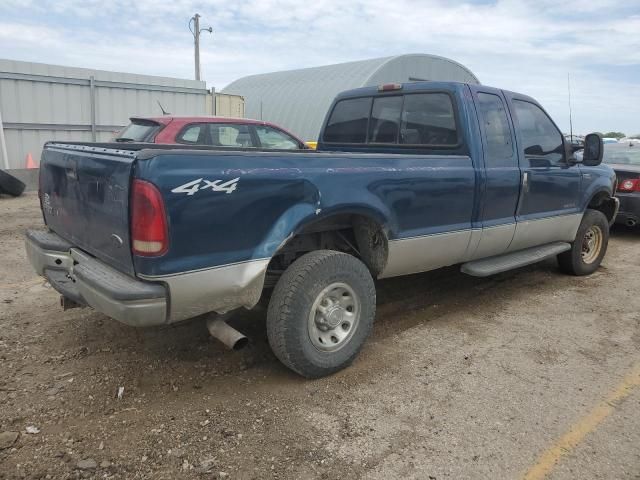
x=462, y=378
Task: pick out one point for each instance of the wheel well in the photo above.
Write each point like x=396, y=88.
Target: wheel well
x=357, y=235
x=603, y=202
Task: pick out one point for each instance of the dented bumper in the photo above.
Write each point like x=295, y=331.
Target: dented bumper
x=143, y=301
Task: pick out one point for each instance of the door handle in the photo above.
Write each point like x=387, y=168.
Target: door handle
x=525, y=182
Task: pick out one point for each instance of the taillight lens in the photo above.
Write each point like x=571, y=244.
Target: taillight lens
x=388, y=87
x=149, y=235
x=629, y=185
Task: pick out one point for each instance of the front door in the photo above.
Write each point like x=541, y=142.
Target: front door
x=548, y=209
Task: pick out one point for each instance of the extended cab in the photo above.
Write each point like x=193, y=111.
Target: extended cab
x=406, y=178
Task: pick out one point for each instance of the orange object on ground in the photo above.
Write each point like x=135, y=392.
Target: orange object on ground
x=30, y=162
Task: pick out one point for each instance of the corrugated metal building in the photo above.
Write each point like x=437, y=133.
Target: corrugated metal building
x=41, y=102
x=298, y=100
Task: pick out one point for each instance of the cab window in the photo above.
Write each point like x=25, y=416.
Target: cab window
x=428, y=119
x=385, y=120
x=497, y=132
x=542, y=141
x=414, y=119
x=348, y=121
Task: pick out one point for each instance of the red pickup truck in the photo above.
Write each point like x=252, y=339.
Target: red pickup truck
x=211, y=131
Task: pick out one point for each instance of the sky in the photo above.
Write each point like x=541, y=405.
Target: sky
x=528, y=46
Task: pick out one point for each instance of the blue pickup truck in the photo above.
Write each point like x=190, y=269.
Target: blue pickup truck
x=406, y=178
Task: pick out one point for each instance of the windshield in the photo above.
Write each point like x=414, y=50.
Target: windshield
x=622, y=154
x=138, y=131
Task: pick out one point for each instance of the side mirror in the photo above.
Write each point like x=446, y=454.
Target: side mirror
x=593, y=150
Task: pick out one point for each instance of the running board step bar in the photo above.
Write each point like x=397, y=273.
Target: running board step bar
x=509, y=261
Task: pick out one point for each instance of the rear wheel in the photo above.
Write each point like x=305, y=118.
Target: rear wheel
x=589, y=246
x=321, y=312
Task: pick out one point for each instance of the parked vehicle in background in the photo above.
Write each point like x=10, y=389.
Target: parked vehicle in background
x=406, y=178
x=624, y=158
x=609, y=140
x=209, y=131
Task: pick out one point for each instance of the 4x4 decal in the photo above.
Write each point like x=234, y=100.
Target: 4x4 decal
x=194, y=186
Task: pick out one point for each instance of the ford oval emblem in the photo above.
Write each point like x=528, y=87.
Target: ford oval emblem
x=117, y=240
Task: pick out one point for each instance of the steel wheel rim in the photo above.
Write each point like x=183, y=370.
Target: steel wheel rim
x=334, y=317
x=592, y=244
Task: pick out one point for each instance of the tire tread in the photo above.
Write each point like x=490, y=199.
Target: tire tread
x=288, y=291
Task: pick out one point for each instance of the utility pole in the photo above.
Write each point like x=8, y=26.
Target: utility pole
x=196, y=40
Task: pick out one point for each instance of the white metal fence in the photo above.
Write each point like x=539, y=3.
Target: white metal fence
x=41, y=102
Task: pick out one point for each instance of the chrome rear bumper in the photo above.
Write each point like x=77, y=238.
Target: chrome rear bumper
x=143, y=301
x=88, y=281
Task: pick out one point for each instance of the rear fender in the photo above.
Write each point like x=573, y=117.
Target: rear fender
x=301, y=217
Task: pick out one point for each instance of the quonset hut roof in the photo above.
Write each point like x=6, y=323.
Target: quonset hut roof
x=298, y=100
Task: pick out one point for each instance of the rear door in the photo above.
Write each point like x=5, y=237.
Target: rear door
x=549, y=206
x=501, y=173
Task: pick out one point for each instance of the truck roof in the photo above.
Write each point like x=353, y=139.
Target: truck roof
x=419, y=86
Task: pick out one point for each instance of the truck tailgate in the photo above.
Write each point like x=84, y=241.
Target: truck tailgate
x=85, y=199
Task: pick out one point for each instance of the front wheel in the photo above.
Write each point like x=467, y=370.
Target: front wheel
x=321, y=312
x=589, y=246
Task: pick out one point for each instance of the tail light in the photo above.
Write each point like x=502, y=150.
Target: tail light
x=149, y=235
x=629, y=185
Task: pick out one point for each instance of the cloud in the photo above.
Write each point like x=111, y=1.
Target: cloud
x=521, y=45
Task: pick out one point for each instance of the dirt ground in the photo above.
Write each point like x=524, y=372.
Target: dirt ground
x=461, y=378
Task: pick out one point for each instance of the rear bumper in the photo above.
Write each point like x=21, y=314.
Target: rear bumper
x=88, y=281
x=629, y=211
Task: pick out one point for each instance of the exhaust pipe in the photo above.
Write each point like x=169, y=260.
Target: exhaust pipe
x=631, y=222
x=228, y=335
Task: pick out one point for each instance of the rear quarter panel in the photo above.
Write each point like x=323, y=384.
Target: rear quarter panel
x=279, y=193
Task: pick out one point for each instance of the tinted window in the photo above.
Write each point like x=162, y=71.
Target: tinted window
x=194, y=134
x=272, y=138
x=542, y=142
x=348, y=121
x=385, y=119
x=138, y=131
x=428, y=119
x=496, y=130
x=226, y=135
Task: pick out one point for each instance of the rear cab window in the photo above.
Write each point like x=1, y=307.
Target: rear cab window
x=348, y=121
x=139, y=130
x=420, y=119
